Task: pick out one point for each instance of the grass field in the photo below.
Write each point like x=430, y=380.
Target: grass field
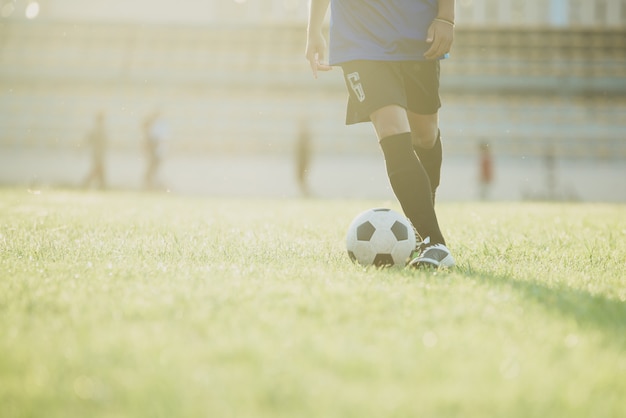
x=137, y=305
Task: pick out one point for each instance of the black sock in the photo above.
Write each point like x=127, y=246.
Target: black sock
x=431, y=161
x=411, y=186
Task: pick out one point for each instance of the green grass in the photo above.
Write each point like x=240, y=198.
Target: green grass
x=131, y=305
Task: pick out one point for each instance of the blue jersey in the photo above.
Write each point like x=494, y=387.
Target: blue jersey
x=381, y=30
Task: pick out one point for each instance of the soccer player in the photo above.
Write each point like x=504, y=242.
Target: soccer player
x=389, y=51
x=155, y=132
x=97, y=139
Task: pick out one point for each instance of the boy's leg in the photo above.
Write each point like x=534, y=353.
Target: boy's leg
x=427, y=145
x=411, y=185
x=406, y=175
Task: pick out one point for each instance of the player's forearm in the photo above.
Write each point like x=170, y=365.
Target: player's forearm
x=446, y=10
x=317, y=12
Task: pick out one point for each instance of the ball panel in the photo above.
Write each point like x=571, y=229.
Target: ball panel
x=382, y=260
x=365, y=231
x=364, y=252
x=383, y=240
x=400, y=231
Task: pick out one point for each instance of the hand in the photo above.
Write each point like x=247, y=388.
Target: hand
x=440, y=37
x=315, y=51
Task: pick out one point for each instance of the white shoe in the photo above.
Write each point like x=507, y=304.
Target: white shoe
x=435, y=256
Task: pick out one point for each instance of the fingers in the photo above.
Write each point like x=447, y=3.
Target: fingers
x=323, y=67
x=315, y=53
x=314, y=63
x=436, y=50
x=440, y=37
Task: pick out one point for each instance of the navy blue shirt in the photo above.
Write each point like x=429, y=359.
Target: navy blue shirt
x=381, y=30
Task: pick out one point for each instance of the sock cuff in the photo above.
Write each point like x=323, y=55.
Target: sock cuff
x=396, y=144
x=399, y=154
x=395, y=138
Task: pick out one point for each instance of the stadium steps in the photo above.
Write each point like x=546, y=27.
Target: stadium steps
x=243, y=89
x=579, y=61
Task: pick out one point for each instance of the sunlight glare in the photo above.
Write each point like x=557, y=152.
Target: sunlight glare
x=32, y=10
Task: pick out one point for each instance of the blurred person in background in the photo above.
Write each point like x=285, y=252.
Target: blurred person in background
x=97, y=141
x=549, y=159
x=485, y=176
x=389, y=51
x=303, y=157
x=155, y=131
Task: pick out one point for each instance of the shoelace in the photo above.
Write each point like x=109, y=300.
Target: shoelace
x=420, y=246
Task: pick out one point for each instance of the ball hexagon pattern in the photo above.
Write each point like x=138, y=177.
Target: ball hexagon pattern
x=380, y=237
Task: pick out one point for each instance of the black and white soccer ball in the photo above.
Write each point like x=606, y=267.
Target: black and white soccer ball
x=380, y=237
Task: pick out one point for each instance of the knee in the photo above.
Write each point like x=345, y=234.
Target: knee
x=384, y=131
x=424, y=138
x=389, y=121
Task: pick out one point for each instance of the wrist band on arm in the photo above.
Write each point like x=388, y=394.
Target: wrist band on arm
x=449, y=22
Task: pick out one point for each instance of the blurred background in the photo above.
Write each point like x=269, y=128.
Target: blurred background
x=214, y=97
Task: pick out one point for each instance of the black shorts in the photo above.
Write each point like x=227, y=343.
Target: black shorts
x=372, y=85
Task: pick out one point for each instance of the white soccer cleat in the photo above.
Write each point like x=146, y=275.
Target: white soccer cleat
x=433, y=256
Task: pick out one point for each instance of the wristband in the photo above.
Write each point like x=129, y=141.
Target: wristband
x=449, y=22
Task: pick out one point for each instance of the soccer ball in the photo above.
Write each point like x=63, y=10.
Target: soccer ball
x=380, y=237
